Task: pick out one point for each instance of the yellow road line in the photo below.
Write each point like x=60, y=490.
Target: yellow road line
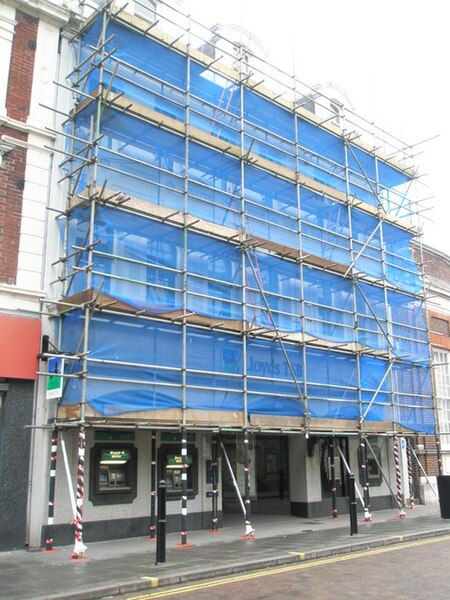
x=286, y=569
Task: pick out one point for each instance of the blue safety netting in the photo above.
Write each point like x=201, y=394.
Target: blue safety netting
x=325, y=227
x=373, y=326
x=401, y=268
x=145, y=161
x=137, y=364
x=156, y=76
x=141, y=261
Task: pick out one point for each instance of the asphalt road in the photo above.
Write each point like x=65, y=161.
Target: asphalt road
x=404, y=571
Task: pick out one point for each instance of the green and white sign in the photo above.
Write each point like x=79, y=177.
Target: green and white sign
x=55, y=381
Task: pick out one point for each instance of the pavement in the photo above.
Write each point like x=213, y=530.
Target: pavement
x=128, y=566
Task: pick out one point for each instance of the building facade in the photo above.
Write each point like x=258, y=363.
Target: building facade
x=229, y=298
x=29, y=41
x=437, y=276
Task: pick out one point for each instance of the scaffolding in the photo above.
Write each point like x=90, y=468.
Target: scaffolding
x=231, y=258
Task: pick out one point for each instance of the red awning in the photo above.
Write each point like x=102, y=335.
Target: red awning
x=20, y=343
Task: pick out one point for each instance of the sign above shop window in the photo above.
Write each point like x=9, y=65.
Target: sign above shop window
x=175, y=461
x=114, y=457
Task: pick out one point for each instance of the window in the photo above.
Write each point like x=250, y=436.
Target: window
x=146, y=9
x=441, y=360
x=113, y=474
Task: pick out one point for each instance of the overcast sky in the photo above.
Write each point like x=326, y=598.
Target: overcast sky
x=390, y=56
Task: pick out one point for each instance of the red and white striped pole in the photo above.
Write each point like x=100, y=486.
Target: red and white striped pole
x=80, y=548
x=249, y=531
x=184, y=487
x=364, y=479
x=51, y=492
x=153, y=489
x=411, y=502
x=215, y=483
x=331, y=458
x=398, y=478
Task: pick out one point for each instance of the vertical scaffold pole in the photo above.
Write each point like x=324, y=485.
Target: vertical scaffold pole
x=331, y=457
x=364, y=478
x=153, y=490
x=51, y=492
x=411, y=503
x=215, y=483
x=184, y=468
x=249, y=531
x=80, y=548
x=398, y=478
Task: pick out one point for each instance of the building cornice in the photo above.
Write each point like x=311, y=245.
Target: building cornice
x=25, y=128
x=58, y=13
x=13, y=290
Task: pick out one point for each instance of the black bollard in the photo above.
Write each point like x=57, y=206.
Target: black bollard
x=352, y=503
x=161, y=525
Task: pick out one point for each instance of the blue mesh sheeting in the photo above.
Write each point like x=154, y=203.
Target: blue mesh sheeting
x=221, y=295
x=328, y=306
x=321, y=154
x=140, y=261
x=413, y=389
x=214, y=186
x=375, y=390
x=136, y=364
x=159, y=82
x=215, y=195
x=371, y=308
x=325, y=227
x=133, y=364
x=271, y=389
x=401, y=269
x=215, y=103
x=280, y=282
x=271, y=207
x=409, y=329
x=362, y=175
x=332, y=384
x=214, y=361
x=369, y=259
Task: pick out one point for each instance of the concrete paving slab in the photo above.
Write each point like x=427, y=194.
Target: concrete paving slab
x=127, y=566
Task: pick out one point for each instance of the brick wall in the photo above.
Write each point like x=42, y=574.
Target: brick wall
x=21, y=67
x=435, y=266
x=12, y=178
x=425, y=448
x=12, y=172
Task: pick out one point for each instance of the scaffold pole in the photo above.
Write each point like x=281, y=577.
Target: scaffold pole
x=51, y=491
x=153, y=490
x=80, y=548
